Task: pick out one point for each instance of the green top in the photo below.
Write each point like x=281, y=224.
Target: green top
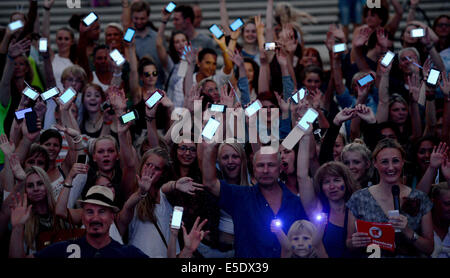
x=3, y=112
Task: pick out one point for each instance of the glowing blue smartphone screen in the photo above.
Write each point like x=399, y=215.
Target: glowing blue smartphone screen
x=433, y=76
x=128, y=117
x=236, y=24
x=366, y=79
x=216, y=31
x=253, y=108
x=309, y=117
x=210, y=128
x=151, y=101
x=170, y=7
x=50, y=93
x=90, y=18
x=68, y=95
x=129, y=35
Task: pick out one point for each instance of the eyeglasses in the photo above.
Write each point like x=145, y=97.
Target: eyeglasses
x=148, y=74
x=184, y=148
x=76, y=80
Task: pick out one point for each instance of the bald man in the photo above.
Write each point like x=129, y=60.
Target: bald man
x=254, y=207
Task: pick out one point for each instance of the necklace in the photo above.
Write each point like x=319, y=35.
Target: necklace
x=96, y=123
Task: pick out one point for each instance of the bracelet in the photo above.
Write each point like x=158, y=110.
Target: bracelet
x=142, y=196
x=67, y=185
x=149, y=118
x=77, y=139
x=164, y=22
x=46, y=8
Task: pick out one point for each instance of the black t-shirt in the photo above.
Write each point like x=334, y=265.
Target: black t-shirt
x=80, y=248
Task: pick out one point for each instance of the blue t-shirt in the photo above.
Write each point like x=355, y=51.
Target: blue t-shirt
x=80, y=248
x=252, y=216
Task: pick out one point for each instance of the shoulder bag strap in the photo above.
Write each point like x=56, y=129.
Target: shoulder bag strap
x=160, y=233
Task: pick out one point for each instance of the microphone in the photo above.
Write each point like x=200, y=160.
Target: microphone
x=396, y=197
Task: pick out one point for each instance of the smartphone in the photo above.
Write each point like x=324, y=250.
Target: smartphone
x=177, y=215
x=170, y=7
x=417, y=33
x=151, y=101
x=90, y=18
x=309, y=117
x=217, y=107
x=216, y=31
x=117, y=57
x=67, y=95
x=339, y=47
x=15, y=25
x=129, y=34
x=125, y=118
x=49, y=93
x=387, y=59
x=43, y=44
x=394, y=213
x=21, y=113
x=366, y=80
x=82, y=158
x=30, y=93
x=253, y=108
x=236, y=24
x=210, y=128
x=31, y=120
x=433, y=76
x=270, y=46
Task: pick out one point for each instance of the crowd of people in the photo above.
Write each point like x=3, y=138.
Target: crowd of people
x=75, y=167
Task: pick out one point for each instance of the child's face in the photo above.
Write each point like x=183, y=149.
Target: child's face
x=302, y=244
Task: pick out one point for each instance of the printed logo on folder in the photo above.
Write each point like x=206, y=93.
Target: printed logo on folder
x=382, y=234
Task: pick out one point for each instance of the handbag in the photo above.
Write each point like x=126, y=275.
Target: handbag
x=57, y=234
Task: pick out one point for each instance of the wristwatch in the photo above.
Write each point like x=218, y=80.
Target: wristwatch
x=67, y=185
x=414, y=237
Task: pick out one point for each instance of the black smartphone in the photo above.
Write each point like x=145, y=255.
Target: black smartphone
x=82, y=158
x=31, y=120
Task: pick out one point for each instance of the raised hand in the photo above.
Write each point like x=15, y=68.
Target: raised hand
x=187, y=185
x=338, y=32
x=344, y=115
x=414, y=86
x=48, y=3
x=237, y=58
x=78, y=168
x=282, y=56
x=259, y=25
x=193, y=239
x=315, y=98
x=16, y=49
x=192, y=96
x=362, y=37
x=16, y=168
x=365, y=113
x=329, y=41
x=284, y=105
x=6, y=146
x=191, y=56
x=382, y=37
x=146, y=180
x=40, y=107
x=445, y=84
x=20, y=211
x=226, y=96
x=117, y=99
x=165, y=101
x=439, y=155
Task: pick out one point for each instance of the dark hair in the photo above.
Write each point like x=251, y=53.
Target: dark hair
x=143, y=62
x=373, y=39
x=438, y=18
x=186, y=11
x=205, y=51
x=311, y=69
x=75, y=19
x=382, y=12
x=48, y=134
x=172, y=51
x=255, y=70
x=140, y=6
x=268, y=96
x=99, y=47
x=73, y=48
x=194, y=171
x=36, y=149
x=391, y=125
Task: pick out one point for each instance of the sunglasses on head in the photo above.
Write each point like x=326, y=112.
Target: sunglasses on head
x=148, y=74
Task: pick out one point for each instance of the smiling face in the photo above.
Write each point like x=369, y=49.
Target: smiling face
x=92, y=100
x=333, y=187
x=442, y=29
x=97, y=219
x=249, y=71
x=389, y=163
x=398, y=113
x=207, y=66
x=179, y=42
x=312, y=81
x=309, y=59
x=105, y=155
x=21, y=66
x=64, y=40
x=186, y=153
x=301, y=243
x=230, y=162
x=249, y=33
x=35, y=189
x=424, y=154
x=53, y=147
x=287, y=160
x=113, y=37
x=356, y=163
x=139, y=20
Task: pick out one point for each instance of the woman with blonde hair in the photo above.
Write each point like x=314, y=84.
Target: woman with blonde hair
x=357, y=157
x=285, y=13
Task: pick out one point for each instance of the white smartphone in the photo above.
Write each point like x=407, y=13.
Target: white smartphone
x=299, y=95
x=309, y=117
x=387, y=59
x=125, y=118
x=90, y=18
x=253, y=108
x=433, y=76
x=365, y=80
x=417, y=33
x=151, y=101
x=43, y=45
x=217, y=107
x=117, y=57
x=21, y=113
x=170, y=7
x=339, y=47
x=50, y=93
x=236, y=24
x=216, y=31
x=394, y=213
x=129, y=34
x=30, y=93
x=13, y=26
x=210, y=128
x=67, y=95
x=270, y=46
x=177, y=215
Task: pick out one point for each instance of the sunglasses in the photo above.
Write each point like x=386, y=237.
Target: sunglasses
x=148, y=74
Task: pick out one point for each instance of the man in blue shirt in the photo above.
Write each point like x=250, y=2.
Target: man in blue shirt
x=97, y=217
x=254, y=207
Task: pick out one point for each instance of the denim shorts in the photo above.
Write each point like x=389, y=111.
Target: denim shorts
x=350, y=11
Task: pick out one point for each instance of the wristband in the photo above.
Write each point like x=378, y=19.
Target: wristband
x=142, y=196
x=164, y=22
x=77, y=139
x=67, y=185
x=149, y=118
x=46, y=8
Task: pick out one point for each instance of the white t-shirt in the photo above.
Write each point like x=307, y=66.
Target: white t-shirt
x=220, y=77
x=441, y=247
x=59, y=64
x=97, y=81
x=145, y=236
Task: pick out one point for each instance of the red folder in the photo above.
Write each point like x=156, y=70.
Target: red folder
x=382, y=234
